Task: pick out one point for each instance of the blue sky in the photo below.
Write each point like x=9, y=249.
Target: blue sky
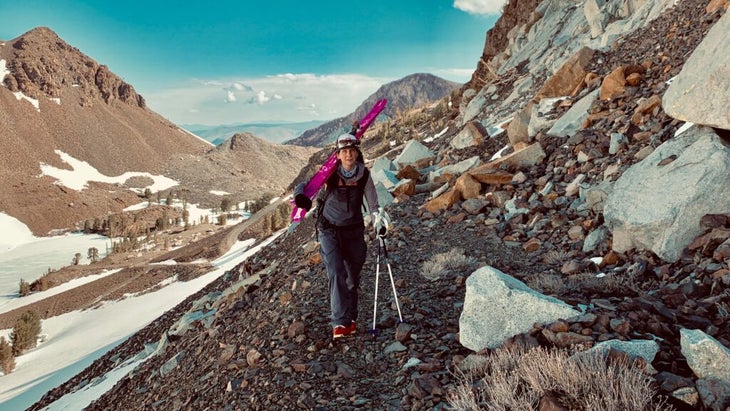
x=224, y=62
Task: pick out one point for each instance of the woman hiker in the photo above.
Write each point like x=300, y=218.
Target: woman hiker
x=341, y=230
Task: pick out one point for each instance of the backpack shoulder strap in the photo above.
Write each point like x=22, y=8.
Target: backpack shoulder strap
x=364, y=180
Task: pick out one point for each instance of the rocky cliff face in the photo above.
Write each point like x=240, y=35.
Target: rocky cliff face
x=515, y=14
x=41, y=65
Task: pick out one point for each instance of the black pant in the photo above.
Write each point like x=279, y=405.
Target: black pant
x=343, y=251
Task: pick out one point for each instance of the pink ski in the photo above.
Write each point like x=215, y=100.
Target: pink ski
x=319, y=178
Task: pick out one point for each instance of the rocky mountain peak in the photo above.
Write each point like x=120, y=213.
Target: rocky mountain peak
x=411, y=91
x=41, y=64
x=242, y=141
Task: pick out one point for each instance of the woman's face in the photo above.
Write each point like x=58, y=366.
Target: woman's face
x=348, y=157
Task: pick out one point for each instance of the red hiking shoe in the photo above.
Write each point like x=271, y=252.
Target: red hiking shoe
x=343, y=330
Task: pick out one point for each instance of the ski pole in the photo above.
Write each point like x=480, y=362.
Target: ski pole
x=374, y=331
x=383, y=250
x=390, y=273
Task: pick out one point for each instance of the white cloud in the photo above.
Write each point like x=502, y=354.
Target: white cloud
x=242, y=87
x=281, y=97
x=260, y=98
x=459, y=75
x=480, y=6
x=230, y=97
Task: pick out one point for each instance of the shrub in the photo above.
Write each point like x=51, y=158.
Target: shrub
x=586, y=282
x=43, y=283
x=451, y=262
x=518, y=379
x=7, y=360
x=25, y=332
x=24, y=288
x=261, y=202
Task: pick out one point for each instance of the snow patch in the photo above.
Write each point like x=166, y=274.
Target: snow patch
x=16, y=233
x=20, y=96
x=82, y=172
x=3, y=70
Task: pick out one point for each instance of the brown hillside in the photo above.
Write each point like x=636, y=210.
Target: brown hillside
x=86, y=111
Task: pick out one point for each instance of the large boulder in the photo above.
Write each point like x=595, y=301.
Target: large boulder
x=657, y=204
x=413, y=153
x=498, y=306
x=701, y=92
x=706, y=356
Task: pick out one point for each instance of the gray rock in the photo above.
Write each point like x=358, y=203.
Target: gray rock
x=705, y=356
x=657, y=205
x=498, y=306
x=573, y=119
x=701, y=92
x=646, y=349
x=413, y=152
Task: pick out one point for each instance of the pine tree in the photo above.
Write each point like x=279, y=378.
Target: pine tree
x=25, y=332
x=7, y=359
x=93, y=254
x=148, y=196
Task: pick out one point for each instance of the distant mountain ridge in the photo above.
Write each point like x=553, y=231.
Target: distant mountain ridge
x=411, y=91
x=273, y=132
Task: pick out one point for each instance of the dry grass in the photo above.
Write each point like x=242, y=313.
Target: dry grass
x=589, y=282
x=451, y=262
x=554, y=257
x=723, y=311
x=584, y=282
x=516, y=379
x=547, y=283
